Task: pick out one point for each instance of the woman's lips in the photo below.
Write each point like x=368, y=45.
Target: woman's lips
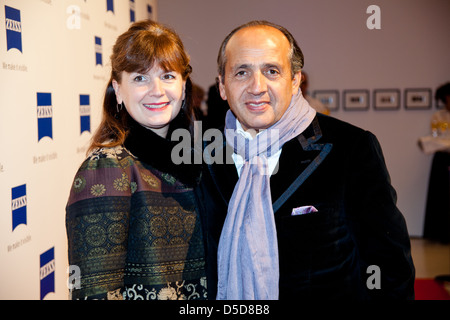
x=156, y=106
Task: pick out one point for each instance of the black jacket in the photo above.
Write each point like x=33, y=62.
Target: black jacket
x=340, y=170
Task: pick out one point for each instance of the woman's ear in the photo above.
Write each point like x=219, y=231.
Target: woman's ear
x=184, y=90
x=116, y=87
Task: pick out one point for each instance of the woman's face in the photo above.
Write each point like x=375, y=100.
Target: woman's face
x=153, y=98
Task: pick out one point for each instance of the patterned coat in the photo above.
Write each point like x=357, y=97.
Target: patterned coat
x=132, y=223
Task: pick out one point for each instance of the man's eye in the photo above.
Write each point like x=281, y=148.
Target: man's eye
x=272, y=72
x=241, y=73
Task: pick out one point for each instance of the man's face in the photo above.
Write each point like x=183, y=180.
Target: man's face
x=258, y=83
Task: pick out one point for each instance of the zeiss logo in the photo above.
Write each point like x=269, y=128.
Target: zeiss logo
x=13, y=29
x=19, y=205
x=110, y=5
x=85, y=113
x=98, y=51
x=44, y=115
x=132, y=11
x=47, y=272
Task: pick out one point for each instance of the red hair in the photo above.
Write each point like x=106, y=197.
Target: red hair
x=137, y=50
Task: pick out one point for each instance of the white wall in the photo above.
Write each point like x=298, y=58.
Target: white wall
x=409, y=51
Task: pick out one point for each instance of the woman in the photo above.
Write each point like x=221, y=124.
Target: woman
x=131, y=217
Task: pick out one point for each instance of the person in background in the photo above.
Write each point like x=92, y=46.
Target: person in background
x=313, y=102
x=301, y=206
x=437, y=212
x=198, y=103
x=217, y=108
x=132, y=220
x=440, y=120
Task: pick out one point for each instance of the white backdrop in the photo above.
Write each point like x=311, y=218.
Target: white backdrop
x=54, y=67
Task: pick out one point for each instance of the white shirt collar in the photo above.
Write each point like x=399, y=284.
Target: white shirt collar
x=239, y=161
x=242, y=132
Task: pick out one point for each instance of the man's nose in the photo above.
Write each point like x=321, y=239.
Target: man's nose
x=258, y=84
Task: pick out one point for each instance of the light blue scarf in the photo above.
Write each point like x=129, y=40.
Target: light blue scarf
x=248, y=249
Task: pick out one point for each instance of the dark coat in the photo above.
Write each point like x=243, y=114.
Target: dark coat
x=340, y=170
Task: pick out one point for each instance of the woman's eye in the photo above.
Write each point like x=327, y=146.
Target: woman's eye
x=139, y=78
x=168, y=76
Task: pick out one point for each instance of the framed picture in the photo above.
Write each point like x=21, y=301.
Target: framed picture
x=330, y=98
x=356, y=99
x=418, y=99
x=386, y=99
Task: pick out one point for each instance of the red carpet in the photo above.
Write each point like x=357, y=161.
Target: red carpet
x=428, y=289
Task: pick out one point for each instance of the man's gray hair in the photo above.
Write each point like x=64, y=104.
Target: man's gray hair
x=295, y=53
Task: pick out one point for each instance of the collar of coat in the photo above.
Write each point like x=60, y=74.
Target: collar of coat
x=156, y=151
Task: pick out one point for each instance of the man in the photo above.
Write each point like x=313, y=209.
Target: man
x=311, y=215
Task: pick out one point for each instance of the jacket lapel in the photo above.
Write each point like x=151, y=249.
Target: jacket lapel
x=300, y=163
x=295, y=166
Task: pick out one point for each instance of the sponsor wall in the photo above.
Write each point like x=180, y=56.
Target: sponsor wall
x=54, y=67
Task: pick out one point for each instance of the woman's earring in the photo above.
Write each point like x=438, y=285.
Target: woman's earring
x=119, y=107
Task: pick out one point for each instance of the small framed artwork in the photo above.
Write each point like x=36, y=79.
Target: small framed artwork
x=356, y=99
x=330, y=98
x=418, y=99
x=386, y=99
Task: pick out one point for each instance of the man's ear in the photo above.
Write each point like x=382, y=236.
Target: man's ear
x=116, y=87
x=296, y=81
x=222, y=89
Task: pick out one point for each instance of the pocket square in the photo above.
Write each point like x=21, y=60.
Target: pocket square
x=303, y=210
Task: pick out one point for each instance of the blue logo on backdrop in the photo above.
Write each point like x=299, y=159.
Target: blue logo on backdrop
x=13, y=29
x=85, y=113
x=98, y=51
x=47, y=272
x=132, y=11
x=44, y=115
x=19, y=205
x=110, y=5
